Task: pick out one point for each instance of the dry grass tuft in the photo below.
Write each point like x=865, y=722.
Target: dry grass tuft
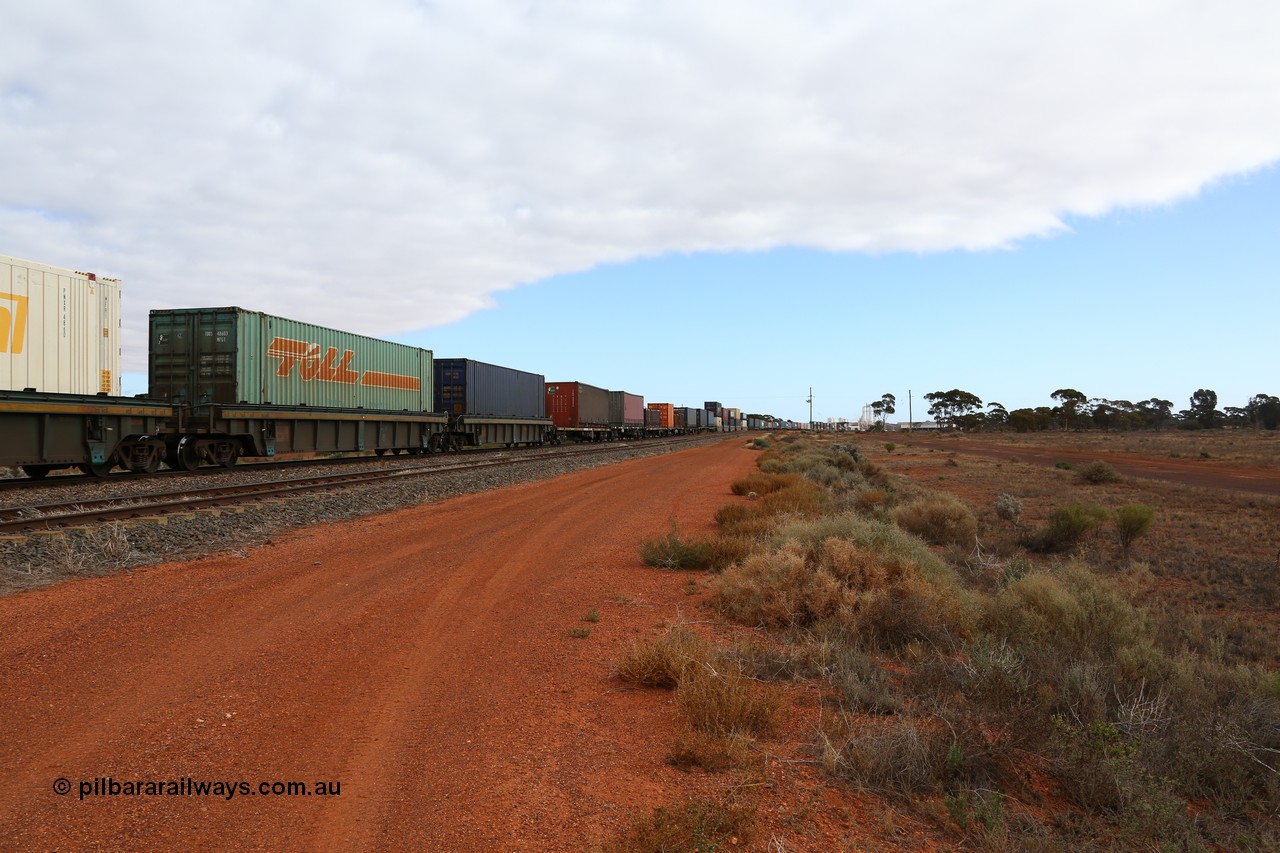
x=714, y=752
x=695, y=825
x=662, y=660
x=723, y=703
x=901, y=755
x=762, y=483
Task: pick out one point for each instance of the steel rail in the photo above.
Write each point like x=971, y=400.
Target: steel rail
x=73, y=513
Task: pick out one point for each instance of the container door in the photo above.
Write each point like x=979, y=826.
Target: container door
x=215, y=343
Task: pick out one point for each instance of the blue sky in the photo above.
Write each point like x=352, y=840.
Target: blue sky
x=1151, y=302
x=730, y=199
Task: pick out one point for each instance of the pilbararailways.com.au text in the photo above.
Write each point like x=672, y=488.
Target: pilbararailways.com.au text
x=107, y=786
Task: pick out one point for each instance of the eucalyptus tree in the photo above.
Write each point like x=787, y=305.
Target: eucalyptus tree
x=953, y=407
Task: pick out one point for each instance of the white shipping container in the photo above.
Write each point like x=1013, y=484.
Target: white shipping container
x=59, y=329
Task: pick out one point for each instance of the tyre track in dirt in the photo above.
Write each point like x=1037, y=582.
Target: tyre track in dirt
x=421, y=658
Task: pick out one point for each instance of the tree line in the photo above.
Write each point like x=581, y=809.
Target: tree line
x=963, y=410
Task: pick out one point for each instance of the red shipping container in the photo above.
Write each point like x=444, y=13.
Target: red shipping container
x=577, y=404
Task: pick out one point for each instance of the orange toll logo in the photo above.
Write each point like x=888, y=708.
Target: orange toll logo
x=13, y=322
x=313, y=367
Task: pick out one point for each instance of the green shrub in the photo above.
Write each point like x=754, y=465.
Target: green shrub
x=1065, y=466
x=673, y=552
x=1065, y=527
x=836, y=479
x=1132, y=521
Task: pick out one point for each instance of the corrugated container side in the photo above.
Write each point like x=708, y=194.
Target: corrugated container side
x=711, y=406
x=577, y=404
x=634, y=408
x=593, y=405
x=59, y=329
x=625, y=409
x=464, y=386
x=666, y=414
x=695, y=418
x=652, y=418
x=229, y=355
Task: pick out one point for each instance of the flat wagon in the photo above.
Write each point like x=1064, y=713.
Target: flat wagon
x=579, y=411
x=243, y=383
x=45, y=432
x=490, y=406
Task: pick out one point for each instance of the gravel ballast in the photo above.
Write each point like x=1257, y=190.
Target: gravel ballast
x=43, y=558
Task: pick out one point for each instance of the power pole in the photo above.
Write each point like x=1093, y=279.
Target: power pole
x=810, y=402
x=911, y=418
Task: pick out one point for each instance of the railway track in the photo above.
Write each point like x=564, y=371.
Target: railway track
x=134, y=506
x=65, y=480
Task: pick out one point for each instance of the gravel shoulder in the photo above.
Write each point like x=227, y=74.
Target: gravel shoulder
x=40, y=559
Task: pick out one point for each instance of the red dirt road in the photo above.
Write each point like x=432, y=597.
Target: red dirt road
x=1205, y=474
x=420, y=659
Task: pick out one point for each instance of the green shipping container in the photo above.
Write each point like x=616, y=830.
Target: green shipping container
x=228, y=355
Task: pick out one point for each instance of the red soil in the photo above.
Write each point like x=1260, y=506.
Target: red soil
x=1203, y=473
x=422, y=659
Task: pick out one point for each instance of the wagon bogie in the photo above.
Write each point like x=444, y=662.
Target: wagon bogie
x=47, y=432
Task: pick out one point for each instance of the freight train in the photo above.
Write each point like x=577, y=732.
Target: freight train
x=226, y=383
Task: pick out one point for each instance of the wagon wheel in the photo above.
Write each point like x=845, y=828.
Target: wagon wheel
x=96, y=469
x=381, y=451
x=186, y=455
x=152, y=464
x=37, y=472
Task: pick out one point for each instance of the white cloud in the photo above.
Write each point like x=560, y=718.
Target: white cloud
x=389, y=165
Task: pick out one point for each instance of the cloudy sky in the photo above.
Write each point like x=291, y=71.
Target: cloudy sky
x=730, y=200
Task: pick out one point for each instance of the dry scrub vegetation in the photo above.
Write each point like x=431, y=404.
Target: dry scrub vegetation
x=1000, y=668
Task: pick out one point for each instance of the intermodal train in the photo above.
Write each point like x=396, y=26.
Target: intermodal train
x=226, y=383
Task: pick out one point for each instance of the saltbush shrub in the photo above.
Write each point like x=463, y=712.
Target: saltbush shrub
x=1099, y=473
x=1008, y=507
x=938, y=519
